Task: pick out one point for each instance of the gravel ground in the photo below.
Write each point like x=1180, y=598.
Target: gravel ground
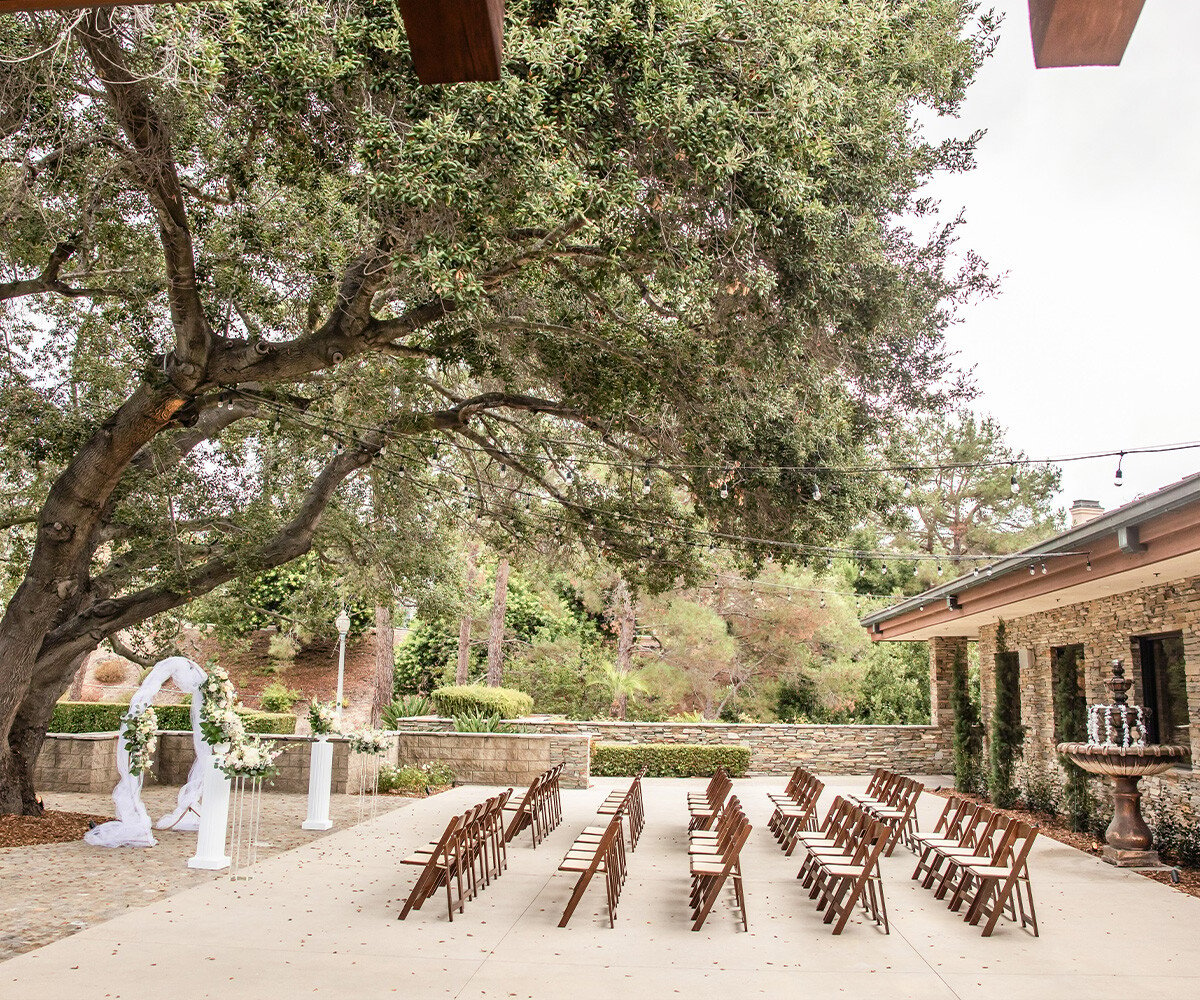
x=51, y=890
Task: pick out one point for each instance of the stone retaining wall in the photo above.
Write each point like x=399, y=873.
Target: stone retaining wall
x=499, y=758
x=774, y=749
x=175, y=754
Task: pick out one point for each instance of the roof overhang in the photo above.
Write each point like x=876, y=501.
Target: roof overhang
x=1151, y=541
x=452, y=41
x=1081, y=32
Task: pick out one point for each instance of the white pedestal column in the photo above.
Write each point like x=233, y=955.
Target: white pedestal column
x=214, y=818
x=320, y=779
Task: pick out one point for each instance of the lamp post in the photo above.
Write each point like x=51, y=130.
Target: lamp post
x=343, y=627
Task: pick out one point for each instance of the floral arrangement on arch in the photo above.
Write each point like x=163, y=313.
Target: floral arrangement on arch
x=141, y=738
x=370, y=741
x=249, y=758
x=322, y=717
x=219, y=723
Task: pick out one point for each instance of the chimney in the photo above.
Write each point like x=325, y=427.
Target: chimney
x=1083, y=511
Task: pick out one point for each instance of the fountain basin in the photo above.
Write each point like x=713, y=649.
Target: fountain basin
x=1128, y=841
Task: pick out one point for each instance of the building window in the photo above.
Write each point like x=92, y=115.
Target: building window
x=1164, y=687
x=1070, y=702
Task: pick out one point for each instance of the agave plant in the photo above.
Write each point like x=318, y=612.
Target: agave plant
x=480, y=722
x=409, y=706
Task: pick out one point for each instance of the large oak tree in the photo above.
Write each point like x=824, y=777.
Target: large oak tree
x=245, y=257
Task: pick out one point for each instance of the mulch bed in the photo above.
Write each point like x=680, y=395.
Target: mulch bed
x=49, y=828
x=1055, y=829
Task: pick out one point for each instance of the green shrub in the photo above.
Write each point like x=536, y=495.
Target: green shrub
x=480, y=722
x=413, y=779
x=1040, y=790
x=278, y=697
x=1070, y=726
x=668, y=760
x=468, y=700
x=407, y=707
x=1178, y=842
x=105, y=717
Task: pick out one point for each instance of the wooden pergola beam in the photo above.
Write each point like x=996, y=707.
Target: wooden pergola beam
x=1081, y=32
x=452, y=41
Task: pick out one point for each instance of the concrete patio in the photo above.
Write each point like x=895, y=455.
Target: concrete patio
x=321, y=920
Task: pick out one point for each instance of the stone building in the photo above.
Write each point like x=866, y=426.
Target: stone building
x=1118, y=585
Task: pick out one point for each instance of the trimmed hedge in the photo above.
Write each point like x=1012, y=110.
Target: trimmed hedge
x=477, y=699
x=668, y=760
x=105, y=717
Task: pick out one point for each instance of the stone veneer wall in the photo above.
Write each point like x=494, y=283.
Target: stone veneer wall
x=498, y=758
x=774, y=749
x=1106, y=628
x=176, y=753
x=77, y=762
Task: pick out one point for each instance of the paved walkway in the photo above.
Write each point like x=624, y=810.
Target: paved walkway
x=320, y=921
x=50, y=891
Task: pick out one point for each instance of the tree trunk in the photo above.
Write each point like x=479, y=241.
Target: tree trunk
x=385, y=662
x=462, y=674
x=622, y=612
x=495, y=671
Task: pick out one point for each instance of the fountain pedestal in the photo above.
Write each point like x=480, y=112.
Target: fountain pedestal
x=1128, y=839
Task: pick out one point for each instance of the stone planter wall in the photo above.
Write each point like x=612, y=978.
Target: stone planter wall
x=77, y=762
x=86, y=762
x=498, y=758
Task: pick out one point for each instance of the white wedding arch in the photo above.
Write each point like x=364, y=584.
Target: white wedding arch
x=131, y=828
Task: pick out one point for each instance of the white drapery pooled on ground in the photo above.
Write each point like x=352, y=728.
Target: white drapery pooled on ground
x=131, y=828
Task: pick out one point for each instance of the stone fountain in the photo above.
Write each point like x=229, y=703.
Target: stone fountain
x=1116, y=747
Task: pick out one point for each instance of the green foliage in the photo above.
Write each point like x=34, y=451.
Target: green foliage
x=668, y=760
x=1040, y=791
x=481, y=722
x=278, y=697
x=105, y=717
x=1070, y=726
x=408, y=707
x=1178, y=842
x=469, y=699
x=1007, y=733
x=409, y=779
x=887, y=685
x=967, y=741
x=426, y=658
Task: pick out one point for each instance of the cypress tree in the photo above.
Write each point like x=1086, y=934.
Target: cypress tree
x=1007, y=732
x=967, y=741
x=1070, y=726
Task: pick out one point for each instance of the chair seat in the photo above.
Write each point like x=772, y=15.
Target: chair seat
x=988, y=871
x=850, y=871
x=708, y=868
x=570, y=864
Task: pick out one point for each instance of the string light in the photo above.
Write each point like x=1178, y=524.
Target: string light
x=1119, y=475
x=1012, y=482
x=816, y=491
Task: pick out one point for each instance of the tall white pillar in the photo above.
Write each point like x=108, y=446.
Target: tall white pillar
x=320, y=779
x=214, y=818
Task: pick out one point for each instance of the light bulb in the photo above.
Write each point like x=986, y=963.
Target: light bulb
x=1013, y=484
x=1043, y=569
x=724, y=492
x=817, y=491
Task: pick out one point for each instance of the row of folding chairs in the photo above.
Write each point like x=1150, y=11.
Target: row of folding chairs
x=979, y=857
x=470, y=853
x=715, y=857
x=597, y=852
x=705, y=807
x=841, y=864
x=539, y=807
x=795, y=808
x=892, y=799
x=627, y=805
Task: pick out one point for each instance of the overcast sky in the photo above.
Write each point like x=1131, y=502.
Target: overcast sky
x=1087, y=194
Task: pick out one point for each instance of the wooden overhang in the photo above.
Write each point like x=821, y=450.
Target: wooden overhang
x=452, y=41
x=1081, y=32
x=1153, y=540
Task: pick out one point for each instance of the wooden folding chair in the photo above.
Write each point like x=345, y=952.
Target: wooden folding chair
x=704, y=811
x=606, y=856
x=841, y=883
x=1001, y=886
x=712, y=866
x=441, y=863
